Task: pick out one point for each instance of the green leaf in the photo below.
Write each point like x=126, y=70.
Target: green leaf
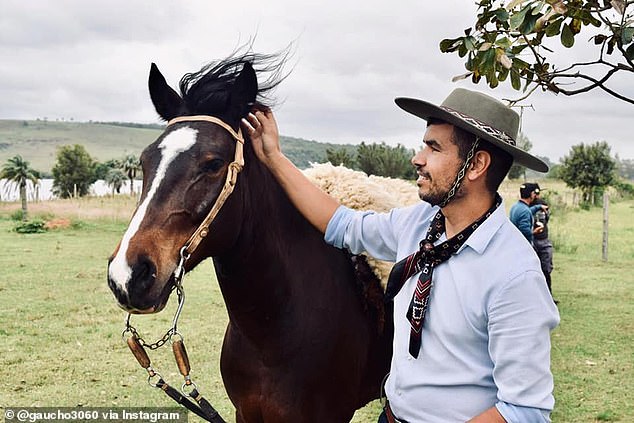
x=450, y=44
x=462, y=50
x=469, y=43
x=492, y=78
x=503, y=42
x=567, y=37
x=519, y=64
x=529, y=24
x=503, y=74
x=626, y=35
x=502, y=14
x=554, y=27
x=629, y=53
x=528, y=75
x=515, y=80
x=518, y=17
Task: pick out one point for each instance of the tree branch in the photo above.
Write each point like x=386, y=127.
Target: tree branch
x=595, y=84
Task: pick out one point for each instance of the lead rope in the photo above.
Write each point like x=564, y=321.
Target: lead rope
x=199, y=405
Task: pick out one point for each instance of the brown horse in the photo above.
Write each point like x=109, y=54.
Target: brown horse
x=301, y=345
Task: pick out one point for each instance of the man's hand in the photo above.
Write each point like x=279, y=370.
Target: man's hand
x=265, y=138
x=539, y=228
x=316, y=206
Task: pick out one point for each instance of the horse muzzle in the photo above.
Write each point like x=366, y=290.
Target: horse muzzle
x=139, y=291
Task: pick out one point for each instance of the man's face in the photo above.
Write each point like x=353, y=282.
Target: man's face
x=437, y=164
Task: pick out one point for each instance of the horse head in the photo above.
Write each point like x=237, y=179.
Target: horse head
x=184, y=171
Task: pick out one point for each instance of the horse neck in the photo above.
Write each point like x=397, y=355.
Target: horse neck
x=256, y=275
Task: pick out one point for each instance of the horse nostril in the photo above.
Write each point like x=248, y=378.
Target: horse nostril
x=143, y=276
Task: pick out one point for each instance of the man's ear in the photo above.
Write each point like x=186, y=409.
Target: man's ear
x=479, y=165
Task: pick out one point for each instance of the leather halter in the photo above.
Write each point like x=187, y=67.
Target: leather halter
x=232, y=176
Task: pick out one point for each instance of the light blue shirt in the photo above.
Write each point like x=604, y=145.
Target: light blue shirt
x=486, y=337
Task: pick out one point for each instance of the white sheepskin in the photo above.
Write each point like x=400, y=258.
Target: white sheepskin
x=359, y=191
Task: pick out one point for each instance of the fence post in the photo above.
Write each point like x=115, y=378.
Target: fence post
x=606, y=202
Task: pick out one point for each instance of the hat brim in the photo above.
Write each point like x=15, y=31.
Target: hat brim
x=426, y=110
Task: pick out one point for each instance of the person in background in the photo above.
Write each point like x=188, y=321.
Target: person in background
x=521, y=214
x=541, y=243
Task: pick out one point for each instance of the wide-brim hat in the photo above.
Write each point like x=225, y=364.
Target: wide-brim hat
x=481, y=115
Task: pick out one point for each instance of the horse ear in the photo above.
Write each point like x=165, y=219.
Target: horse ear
x=166, y=101
x=244, y=91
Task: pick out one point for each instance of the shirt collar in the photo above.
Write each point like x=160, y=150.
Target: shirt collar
x=485, y=232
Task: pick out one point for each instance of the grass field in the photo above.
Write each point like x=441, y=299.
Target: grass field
x=60, y=334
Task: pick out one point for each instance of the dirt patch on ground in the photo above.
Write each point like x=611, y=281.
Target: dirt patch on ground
x=58, y=223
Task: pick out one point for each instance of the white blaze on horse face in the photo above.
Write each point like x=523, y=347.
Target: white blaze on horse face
x=172, y=145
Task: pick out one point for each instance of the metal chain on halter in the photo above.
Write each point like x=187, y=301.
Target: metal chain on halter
x=461, y=174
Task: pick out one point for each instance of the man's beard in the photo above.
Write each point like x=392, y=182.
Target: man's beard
x=436, y=197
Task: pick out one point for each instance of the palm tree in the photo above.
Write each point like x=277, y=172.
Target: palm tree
x=130, y=165
x=115, y=179
x=18, y=170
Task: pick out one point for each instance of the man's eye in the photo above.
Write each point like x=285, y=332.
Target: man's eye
x=212, y=166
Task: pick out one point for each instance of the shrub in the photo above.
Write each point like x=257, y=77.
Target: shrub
x=35, y=226
x=17, y=215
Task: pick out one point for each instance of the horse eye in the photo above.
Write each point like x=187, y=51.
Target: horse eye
x=212, y=165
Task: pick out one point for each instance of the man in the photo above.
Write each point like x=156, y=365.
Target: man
x=541, y=243
x=481, y=350
x=521, y=214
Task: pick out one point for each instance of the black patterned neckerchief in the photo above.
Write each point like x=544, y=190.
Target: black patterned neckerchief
x=424, y=260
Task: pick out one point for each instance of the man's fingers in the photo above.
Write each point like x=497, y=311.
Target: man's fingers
x=251, y=123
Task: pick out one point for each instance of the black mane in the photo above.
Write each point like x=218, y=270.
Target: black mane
x=208, y=90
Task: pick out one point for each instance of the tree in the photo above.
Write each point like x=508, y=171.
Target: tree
x=589, y=168
x=74, y=171
x=509, y=41
x=131, y=165
x=516, y=170
x=340, y=156
x=115, y=179
x=383, y=160
x=18, y=170
x=102, y=169
x=625, y=168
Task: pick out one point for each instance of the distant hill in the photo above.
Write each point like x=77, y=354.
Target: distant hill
x=37, y=141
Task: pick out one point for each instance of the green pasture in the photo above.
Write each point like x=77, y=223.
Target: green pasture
x=60, y=328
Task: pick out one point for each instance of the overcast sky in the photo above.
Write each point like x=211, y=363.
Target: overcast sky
x=89, y=60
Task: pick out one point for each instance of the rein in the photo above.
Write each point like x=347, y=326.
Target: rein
x=197, y=404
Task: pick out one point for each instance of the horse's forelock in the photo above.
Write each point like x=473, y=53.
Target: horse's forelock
x=208, y=90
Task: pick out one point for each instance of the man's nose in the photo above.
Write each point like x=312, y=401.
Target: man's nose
x=418, y=159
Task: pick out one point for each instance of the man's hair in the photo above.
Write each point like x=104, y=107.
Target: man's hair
x=501, y=161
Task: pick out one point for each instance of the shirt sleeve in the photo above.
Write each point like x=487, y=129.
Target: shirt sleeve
x=517, y=414
x=364, y=231
x=519, y=345
x=534, y=209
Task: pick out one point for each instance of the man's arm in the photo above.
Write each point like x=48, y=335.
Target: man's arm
x=316, y=206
